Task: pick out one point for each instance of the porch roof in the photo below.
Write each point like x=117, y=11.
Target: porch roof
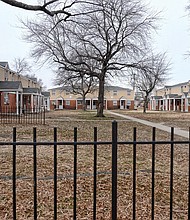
x=60, y=98
x=31, y=90
x=178, y=97
x=158, y=97
x=4, y=64
x=172, y=95
x=46, y=94
x=10, y=86
x=80, y=98
x=123, y=98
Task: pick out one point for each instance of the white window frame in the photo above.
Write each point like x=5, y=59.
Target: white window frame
x=114, y=102
x=79, y=102
x=53, y=92
x=67, y=102
x=6, y=98
x=114, y=92
x=128, y=93
x=6, y=76
x=128, y=102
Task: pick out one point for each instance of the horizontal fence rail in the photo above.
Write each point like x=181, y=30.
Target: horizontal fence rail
x=114, y=143
x=12, y=115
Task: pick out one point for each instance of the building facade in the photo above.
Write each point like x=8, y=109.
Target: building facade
x=19, y=92
x=172, y=98
x=115, y=98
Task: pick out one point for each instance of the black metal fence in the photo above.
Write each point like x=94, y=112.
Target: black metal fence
x=12, y=115
x=114, y=171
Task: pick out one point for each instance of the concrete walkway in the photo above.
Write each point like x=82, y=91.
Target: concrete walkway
x=177, y=131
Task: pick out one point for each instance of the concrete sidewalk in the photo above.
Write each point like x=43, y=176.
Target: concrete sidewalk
x=177, y=131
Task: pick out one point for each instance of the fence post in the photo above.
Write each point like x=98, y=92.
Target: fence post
x=114, y=170
x=55, y=173
x=44, y=115
x=171, y=173
x=35, y=171
x=14, y=173
x=75, y=176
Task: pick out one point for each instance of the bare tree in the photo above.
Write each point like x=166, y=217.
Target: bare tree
x=115, y=36
x=21, y=66
x=51, y=7
x=76, y=83
x=44, y=7
x=152, y=72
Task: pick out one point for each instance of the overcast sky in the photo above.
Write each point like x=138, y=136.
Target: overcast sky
x=173, y=37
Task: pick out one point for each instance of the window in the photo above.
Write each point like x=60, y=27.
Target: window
x=6, y=76
x=181, y=88
x=115, y=102
x=128, y=102
x=115, y=92
x=6, y=98
x=128, y=92
x=79, y=102
x=53, y=92
x=67, y=102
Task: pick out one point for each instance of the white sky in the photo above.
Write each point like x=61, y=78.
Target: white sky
x=173, y=37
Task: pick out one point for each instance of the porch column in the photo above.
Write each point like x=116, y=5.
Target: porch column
x=39, y=103
x=186, y=104
x=48, y=104
x=76, y=104
x=90, y=104
x=174, y=106
x=152, y=104
x=181, y=105
x=166, y=104
x=169, y=104
x=42, y=101
x=21, y=101
x=32, y=102
x=17, y=104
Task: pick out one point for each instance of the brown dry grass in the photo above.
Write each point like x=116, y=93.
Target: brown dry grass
x=65, y=121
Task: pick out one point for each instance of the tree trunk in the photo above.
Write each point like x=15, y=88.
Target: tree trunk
x=83, y=103
x=145, y=104
x=100, y=107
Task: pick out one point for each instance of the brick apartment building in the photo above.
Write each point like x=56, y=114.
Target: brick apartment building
x=115, y=98
x=172, y=98
x=19, y=92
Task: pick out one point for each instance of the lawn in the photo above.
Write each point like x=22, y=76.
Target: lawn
x=65, y=121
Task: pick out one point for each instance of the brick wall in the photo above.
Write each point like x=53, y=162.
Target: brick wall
x=11, y=105
x=71, y=106
x=111, y=106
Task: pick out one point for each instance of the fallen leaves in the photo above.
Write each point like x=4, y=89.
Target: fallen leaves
x=65, y=121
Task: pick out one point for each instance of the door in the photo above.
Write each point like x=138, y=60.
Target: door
x=122, y=104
